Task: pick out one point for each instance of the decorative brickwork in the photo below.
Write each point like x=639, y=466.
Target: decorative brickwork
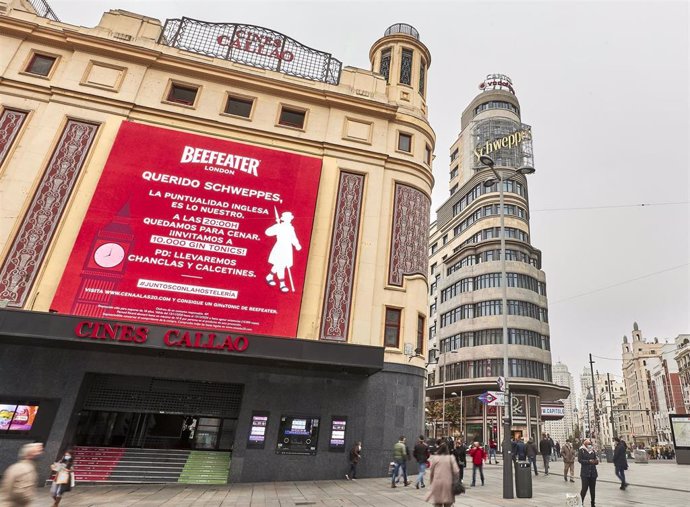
x=11, y=122
x=24, y=258
x=410, y=239
x=341, y=266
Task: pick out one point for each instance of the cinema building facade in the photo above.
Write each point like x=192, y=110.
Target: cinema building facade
x=213, y=248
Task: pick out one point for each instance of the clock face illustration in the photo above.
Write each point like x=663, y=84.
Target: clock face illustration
x=109, y=255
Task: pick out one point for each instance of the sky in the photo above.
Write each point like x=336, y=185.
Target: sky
x=604, y=86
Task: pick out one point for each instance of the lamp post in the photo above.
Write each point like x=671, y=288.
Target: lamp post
x=501, y=178
x=443, y=403
x=589, y=398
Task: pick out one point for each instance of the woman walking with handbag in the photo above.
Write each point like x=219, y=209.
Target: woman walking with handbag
x=444, y=478
x=64, y=477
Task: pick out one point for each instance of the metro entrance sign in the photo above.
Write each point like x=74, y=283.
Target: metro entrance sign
x=492, y=398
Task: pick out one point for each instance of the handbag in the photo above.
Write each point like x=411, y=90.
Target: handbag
x=62, y=477
x=458, y=487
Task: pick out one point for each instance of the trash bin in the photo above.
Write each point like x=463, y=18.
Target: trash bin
x=523, y=479
x=640, y=455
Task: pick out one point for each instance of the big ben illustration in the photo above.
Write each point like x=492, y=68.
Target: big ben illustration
x=104, y=266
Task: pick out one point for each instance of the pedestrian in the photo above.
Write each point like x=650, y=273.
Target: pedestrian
x=478, y=456
x=64, y=477
x=400, y=453
x=421, y=454
x=493, y=446
x=620, y=461
x=444, y=470
x=558, y=449
x=460, y=453
x=520, y=452
x=545, y=448
x=19, y=481
x=531, y=451
x=355, y=456
x=568, y=454
x=587, y=458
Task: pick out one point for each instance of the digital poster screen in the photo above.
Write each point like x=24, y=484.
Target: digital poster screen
x=257, y=431
x=190, y=230
x=17, y=418
x=298, y=435
x=337, y=440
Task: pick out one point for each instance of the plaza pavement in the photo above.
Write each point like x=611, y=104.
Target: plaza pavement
x=654, y=484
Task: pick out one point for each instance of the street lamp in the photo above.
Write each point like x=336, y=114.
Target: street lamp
x=501, y=178
x=445, y=376
x=589, y=398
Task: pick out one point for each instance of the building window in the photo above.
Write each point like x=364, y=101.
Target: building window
x=405, y=142
x=406, y=67
x=385, y=68
x=421, y=324
x=455, y=154
x=40, y=65
x=454, y=189
x=422, y=77
x=290, y=117
x=453, y=172
x=392, y=334
x=427, y=154
x=434, y=247
x=182, y=94
x=239, y=106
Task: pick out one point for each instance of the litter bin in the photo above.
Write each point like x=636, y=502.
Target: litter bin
x=523, y=479
x=640, y=455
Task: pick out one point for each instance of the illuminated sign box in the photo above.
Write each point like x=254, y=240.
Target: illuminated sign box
x=189, y=230
x=17, y=418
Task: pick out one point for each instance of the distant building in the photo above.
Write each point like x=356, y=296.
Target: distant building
x=638, y=385
x=610, y=392
x=682, y=358
x=586, y=407
x=667, y=392
x=561, y=429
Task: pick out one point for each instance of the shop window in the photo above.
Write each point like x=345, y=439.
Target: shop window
x=41, y=65
x=392, y=333
x=405, y=142
x=239, y=106
x=290, y=117
x=182, y=94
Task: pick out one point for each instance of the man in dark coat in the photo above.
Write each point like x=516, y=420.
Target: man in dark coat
x=520, y=452
x=545, y=448
x=620, y=461
x=421, y=454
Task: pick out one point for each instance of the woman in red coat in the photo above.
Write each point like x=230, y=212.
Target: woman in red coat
x=478, y=456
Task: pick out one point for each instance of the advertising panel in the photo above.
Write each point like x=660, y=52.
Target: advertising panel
x=337, y=440
x=506, y=141
x=298, y=435
x=257, y=432
x=24, y=418
x=680, y=430
x=6, y=415
x=190, y=230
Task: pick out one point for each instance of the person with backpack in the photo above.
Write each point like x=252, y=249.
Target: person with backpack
x=421, y=454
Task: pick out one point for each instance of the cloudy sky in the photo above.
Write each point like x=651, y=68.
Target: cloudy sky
x=604, y=86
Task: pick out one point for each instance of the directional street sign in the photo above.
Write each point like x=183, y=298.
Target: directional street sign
x=492, y=398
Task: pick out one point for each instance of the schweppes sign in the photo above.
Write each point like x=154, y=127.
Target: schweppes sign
x=509, y=141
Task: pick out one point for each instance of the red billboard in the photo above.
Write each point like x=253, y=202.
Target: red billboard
x=195, y=231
